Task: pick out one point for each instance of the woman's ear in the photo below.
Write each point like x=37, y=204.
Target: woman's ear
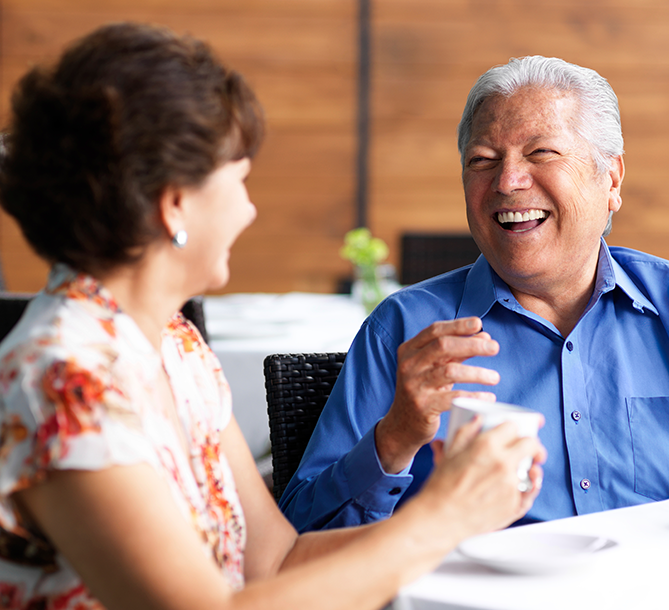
x=171, y=210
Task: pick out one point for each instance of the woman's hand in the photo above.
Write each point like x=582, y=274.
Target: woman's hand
x=476, y=480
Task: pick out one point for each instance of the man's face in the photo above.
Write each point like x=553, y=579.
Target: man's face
x=536, y=204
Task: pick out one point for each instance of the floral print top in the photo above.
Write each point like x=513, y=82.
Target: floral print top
x=77, y=391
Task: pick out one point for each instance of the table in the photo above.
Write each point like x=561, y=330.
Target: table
x=632, y=575
x=245, y=328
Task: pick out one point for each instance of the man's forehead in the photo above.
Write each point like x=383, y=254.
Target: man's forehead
x=531, y=112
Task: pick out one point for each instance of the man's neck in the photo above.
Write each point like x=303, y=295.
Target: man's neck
x=559, y=295
x=563, y=309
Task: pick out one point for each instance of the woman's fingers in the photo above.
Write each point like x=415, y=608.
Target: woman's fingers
x=465, y=435
x=438, y=451
x=527, y=498
x=479, y=472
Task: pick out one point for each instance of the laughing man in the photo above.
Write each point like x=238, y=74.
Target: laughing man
x=549, y=317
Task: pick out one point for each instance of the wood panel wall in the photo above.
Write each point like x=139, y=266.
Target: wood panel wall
x=300, y=56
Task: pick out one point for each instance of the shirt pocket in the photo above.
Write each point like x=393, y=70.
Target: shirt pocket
x=649, y=426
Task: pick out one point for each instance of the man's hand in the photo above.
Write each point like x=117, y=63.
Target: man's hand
x=427, y=367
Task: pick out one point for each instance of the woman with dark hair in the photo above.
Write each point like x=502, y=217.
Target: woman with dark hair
x=124, y=479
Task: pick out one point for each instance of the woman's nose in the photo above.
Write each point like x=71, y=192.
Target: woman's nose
x=253, y=212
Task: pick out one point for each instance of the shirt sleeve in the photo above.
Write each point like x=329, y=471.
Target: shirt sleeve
x=340, y=481
x=62, y=416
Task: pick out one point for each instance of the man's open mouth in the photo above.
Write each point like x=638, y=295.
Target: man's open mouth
x=521, y=221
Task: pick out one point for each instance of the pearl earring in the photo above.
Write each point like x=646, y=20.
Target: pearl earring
x=180, y=239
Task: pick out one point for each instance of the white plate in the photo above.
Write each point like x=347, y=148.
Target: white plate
x=521, y=552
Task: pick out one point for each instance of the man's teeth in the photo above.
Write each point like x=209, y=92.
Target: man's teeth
x=504, y=217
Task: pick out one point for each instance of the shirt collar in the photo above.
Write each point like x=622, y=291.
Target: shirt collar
x=484, y=288
x=63, y=280
x=479, y=294
x=611, y=274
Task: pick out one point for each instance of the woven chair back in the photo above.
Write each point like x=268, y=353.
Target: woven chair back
x=297, y=386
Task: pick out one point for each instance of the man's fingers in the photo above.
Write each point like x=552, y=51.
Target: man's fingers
x=456, y=372
x=460, y=327
x=487, y=396
x=442, y=352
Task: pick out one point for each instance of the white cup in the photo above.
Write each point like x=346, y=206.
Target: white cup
x=493, y=414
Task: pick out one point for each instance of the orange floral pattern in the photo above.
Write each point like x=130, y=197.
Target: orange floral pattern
x=77, y=391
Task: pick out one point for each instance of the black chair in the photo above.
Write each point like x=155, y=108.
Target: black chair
x=193, y=309
x=12, y=306
x=297, y=386
x=424, y=255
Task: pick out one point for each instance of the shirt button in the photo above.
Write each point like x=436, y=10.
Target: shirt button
x=395, y=490
x=570, y=345
x=576, y=415
x=585, y=484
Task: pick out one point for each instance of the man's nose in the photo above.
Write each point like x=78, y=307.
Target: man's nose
x=512, y=175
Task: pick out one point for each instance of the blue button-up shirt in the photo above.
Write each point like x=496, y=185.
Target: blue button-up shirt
x=604, y=391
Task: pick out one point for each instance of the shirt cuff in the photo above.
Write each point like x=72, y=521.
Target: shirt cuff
x=370, y=486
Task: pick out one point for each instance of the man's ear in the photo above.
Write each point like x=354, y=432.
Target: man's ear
x=616, y=174
x=171, y=210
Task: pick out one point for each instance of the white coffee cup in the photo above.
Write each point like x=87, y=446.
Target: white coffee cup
x=494, y=414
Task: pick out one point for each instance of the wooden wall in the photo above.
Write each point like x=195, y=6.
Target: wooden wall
x=300, y=56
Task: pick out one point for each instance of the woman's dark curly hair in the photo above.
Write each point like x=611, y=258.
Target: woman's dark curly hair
x=93, y=142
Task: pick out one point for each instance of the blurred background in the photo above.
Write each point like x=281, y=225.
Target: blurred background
x=362, y=99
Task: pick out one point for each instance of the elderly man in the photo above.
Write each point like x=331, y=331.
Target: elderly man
x=573, y=328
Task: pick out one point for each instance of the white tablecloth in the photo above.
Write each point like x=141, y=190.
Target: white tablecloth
x=630, y=576
x=245, y=328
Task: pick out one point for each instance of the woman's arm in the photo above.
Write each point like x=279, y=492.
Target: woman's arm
x=122, y=532
x=272, y=542
x=472, y=491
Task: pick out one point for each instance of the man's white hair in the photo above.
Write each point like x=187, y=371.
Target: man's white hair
x=599, y=123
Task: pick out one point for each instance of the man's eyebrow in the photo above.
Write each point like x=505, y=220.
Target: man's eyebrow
x=477, y=142
x=530, y=141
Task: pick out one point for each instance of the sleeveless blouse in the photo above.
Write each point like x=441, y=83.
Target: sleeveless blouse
x=78, y=391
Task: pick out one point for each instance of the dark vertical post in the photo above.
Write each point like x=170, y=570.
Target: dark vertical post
x=364, y=51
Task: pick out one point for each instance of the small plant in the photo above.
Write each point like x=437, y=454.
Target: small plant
x=362, y=249
x=365, y=252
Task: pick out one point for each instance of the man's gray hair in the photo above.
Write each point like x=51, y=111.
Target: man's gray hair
x=599, y=121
